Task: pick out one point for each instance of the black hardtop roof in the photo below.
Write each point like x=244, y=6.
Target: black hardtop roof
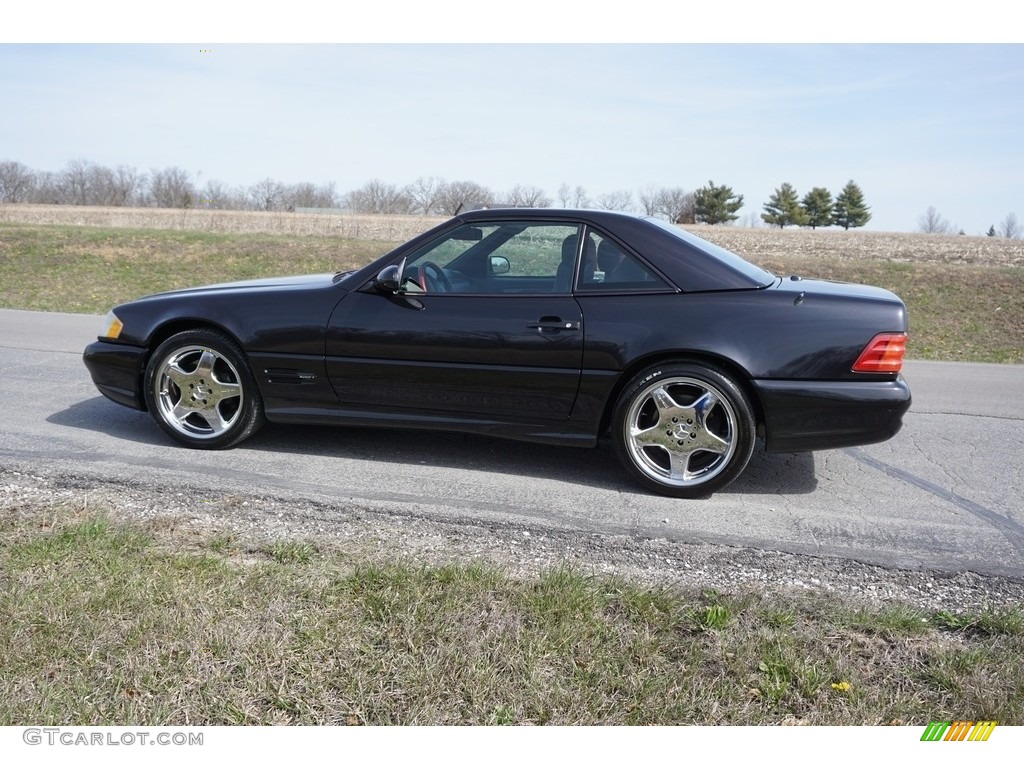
x=575, y=214
x=689, y=262
x=692, y=263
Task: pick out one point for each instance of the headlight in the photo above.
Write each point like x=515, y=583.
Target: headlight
x=112, y=326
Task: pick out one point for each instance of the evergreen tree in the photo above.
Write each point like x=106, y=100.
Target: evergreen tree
x=716, y=204
x=991, y=231
x=817, y=205
x=783, y=208
x=849, y=210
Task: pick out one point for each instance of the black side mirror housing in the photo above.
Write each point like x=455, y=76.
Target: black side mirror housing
x=389, y=279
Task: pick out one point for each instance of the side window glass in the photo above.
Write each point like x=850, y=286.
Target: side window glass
x=541, y=259
x=513, y=257
x=613, y=267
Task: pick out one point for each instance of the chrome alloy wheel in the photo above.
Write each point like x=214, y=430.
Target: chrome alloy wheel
x=681, y=431
x=198, y=392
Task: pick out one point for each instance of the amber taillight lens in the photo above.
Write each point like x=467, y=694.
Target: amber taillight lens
x=883, y=354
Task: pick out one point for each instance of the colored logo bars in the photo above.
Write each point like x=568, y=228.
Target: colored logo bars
x=959, y=730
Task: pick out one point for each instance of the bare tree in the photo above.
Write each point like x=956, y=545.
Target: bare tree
x=933, y=223
x=99, y=187
x=126, y=184
x=676, y=205
x=673, y=203
x=85, y=183
x=1009, y=226
x=564, y=195
x=376, y=196
x=424, y=194
x=46, y=189
x=171, y=188
x=579, y=197
x=73, y=182
x=215, y=195
x=527, y=197
x=458, y=196
x=307, y=195
x=648, y=198
x=619, y=200
x=267, y=195
x=16, y=182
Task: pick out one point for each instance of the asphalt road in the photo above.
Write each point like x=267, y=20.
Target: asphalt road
x=944, y=494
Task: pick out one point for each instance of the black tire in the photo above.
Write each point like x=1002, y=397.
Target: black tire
x=684, y=429
x=201, y=392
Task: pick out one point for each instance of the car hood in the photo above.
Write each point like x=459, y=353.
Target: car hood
x=297, y=281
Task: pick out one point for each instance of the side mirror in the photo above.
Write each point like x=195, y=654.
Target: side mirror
x=500, y=265
x=389, y=279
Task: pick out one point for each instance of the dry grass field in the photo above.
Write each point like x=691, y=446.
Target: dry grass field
x=761, y=245
x=356, y=227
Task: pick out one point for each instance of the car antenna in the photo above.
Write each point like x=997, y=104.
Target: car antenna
x=458, y=210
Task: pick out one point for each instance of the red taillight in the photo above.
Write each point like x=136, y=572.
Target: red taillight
x=883, y=354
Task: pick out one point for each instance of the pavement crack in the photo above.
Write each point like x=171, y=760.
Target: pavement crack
x=1010, y=528
x=967, y=415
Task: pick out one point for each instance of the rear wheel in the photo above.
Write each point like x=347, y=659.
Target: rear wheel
x=684, y=429
x=201, y=392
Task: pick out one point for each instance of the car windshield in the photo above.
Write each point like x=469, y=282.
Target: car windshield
x=755, y=273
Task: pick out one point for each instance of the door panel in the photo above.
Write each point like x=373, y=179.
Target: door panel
x=506, y=358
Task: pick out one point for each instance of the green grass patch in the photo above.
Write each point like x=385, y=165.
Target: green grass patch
x=111, y=623
x=90, y=269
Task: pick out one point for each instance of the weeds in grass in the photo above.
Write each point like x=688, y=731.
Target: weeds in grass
x=1005, y=622
x=714, y=617
x=291, y=551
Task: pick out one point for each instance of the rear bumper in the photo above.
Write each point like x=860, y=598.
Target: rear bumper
x=818, y=415
x=116, y=370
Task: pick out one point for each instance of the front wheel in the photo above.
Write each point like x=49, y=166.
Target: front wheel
x=684, y=429
x=200, y=391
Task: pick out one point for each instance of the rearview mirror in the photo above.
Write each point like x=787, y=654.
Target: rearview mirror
x=471, y=234
x=388, y=280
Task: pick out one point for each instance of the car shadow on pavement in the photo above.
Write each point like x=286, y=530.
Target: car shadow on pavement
x=781, y=473
x=98, y=414
x=596, y=468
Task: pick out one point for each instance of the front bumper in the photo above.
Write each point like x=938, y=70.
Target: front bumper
x=818, y=415
x=116, y=370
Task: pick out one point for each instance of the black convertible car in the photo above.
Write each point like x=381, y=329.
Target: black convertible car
x=546, y=325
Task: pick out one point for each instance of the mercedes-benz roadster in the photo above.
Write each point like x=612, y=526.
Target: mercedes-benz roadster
x=553, y=326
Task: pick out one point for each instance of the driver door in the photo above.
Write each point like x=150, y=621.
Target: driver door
x=478, y=330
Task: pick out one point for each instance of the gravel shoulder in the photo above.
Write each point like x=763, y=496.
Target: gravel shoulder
x=255, y=519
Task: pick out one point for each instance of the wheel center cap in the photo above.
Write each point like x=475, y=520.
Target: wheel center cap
x=199, y=393
x=684, y=432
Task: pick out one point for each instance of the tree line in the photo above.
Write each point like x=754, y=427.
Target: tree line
x=82, y=182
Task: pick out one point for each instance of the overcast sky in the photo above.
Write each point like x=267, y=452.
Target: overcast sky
x=914, y=125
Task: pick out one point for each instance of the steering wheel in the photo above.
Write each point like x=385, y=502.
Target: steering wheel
x=432, y=278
